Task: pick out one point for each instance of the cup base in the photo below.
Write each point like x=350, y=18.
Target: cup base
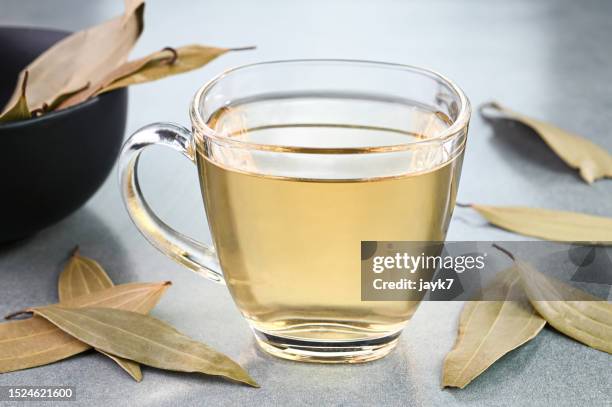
x=356, y=351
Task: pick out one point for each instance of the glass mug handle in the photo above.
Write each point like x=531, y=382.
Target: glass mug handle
x=196, y=256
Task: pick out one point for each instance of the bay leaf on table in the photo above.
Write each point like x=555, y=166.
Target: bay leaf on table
x=585, y=318
x=158, y=65
x=82, y=276
x=144, y=339
x=490, y=329
x=548, y=224
x=591, y=160
x=135, y=297
x=82, y=57
x=19, y=110
x=132, y=368
x=35, y=342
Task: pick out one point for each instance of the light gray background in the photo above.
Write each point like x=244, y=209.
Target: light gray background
x=551, y=59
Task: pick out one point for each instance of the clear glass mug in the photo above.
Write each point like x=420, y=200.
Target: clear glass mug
x=300, y=161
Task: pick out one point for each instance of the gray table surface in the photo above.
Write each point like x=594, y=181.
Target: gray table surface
x=551, y=59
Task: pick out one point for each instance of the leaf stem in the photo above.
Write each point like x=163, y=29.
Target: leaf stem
x=174, y=56
x=41, y=110
x=488, y=105
x=249, y=48
x=505, y=251
x=463, y=205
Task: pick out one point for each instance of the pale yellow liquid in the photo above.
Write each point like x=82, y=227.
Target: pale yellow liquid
x=290, y=248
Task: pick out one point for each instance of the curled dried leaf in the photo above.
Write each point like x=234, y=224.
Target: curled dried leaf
x=83, y=57
x=166, y=62
x=592, y=161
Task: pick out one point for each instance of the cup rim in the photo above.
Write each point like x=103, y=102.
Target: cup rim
x=457, y=127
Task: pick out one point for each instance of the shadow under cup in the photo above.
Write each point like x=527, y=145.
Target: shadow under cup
x=300, y=161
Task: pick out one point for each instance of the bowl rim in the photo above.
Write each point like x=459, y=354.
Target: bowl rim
x=58, y=114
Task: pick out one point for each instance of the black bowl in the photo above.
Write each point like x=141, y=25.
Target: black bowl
x=51, y=165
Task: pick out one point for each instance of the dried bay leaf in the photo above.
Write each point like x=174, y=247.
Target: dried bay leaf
x=158, y=65
x=587, y=319
x=592, y=161
x=55, y=103
x=144, y=339
x=490, y=329
x=35, y=342
x=548, y=224
x=19, y=109
x=132, y=368
x=131, y=6
x=81, y=276
x=164, y=63
x=135, y=297
x=82, y=57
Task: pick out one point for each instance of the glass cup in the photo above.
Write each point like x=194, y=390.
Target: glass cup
x=299, y=161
